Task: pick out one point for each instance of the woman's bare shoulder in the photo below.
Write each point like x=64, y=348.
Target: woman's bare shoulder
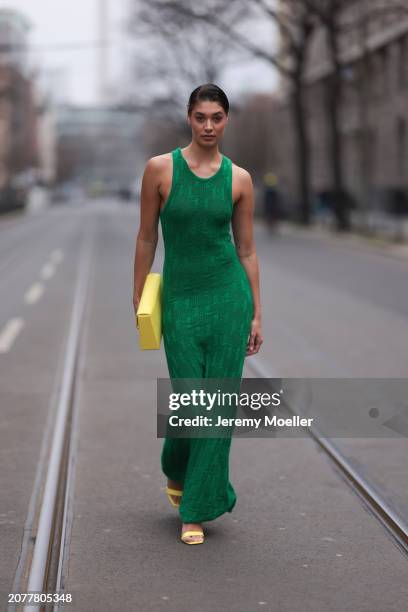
x=159, y=163
x=241, y=174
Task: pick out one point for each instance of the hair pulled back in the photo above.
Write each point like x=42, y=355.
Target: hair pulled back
x=210, y=92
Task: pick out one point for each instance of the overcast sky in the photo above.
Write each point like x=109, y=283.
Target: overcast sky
x=59, y=22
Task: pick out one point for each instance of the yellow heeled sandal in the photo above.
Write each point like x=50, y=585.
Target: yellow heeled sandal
x=188, y=533
x=175, y=493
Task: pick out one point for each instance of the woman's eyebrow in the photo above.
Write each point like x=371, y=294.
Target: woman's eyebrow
x=217, y=113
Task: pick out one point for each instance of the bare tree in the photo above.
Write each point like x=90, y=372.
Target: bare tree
x=177, y=55
x=295, y=25
x=329, y=13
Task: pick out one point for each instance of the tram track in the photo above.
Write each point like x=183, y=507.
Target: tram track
x=45, y=559
x=395, y=525
x=50, y=552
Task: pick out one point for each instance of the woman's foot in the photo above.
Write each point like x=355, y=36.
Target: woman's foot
x=173, y=484
x=192, y=538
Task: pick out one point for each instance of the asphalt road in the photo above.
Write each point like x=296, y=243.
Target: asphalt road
x=298, y=537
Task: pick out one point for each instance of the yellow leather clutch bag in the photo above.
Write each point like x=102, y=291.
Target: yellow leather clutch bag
x=149, y=313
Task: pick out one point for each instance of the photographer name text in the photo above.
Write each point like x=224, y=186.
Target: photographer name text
x=266, y=421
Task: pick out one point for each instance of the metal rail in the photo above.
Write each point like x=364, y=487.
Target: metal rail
x=391, y=520
x=50, y=528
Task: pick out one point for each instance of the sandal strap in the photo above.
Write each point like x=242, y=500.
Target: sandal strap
x=174, y=491
x=188, y=533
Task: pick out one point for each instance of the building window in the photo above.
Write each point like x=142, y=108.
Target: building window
x=372, y=74
x=401, y=133
x=402, y=62
x=383, y=76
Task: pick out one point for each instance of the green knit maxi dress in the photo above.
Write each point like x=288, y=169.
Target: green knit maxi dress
x=206, y=319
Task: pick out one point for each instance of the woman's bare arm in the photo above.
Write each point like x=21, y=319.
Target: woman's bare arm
x=242, y=228
x=147, y=236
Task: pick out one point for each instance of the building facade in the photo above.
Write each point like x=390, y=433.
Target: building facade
x=18, y=114
x=373, y=53
x=97, y=145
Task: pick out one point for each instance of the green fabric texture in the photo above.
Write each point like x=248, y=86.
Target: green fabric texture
x=206, y=318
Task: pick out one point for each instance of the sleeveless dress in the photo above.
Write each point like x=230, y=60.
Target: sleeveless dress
x=206, y=319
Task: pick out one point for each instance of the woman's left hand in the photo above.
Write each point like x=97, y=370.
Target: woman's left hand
x=255, y=338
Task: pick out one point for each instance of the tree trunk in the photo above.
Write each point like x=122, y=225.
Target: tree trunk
x=365, y=152
x=303, y=152
x=333, y=105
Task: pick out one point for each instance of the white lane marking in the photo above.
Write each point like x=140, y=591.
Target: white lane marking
x=34, y=293
x=47, y=271
x=10, y=333
x=56, y=256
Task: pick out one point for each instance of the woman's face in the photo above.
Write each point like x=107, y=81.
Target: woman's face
x=208, y=121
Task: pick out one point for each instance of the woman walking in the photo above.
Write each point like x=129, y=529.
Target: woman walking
x=210, y=300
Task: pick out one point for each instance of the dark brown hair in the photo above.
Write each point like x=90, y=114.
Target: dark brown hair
x=210, y=92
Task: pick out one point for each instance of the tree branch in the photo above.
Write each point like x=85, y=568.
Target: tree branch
x=234, y=35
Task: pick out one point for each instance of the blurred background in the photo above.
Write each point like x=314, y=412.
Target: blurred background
x=318, y=93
